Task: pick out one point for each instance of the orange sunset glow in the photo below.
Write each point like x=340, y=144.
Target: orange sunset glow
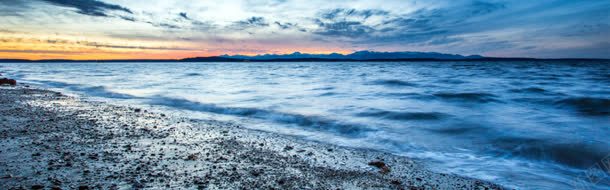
x=119, y=29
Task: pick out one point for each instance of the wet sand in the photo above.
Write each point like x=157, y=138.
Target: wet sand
x=49, y=140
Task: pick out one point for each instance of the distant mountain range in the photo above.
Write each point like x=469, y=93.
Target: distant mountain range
x=358, y=56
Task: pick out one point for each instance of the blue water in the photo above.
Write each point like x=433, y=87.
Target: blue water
x=531, y=125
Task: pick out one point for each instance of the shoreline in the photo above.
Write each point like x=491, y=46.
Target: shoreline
x=52, y=140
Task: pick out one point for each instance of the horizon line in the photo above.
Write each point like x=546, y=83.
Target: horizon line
x=228, y=59
x=227, y=56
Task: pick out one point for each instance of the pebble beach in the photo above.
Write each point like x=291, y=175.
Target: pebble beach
x=53, y=141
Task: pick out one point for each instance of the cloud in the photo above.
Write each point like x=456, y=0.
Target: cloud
x=289, y=25
x=40, y=51
x=101, y=45
x=199, y=25
x=285, y=25
x=183, y=15
x=352, y=29
x=128, y=18
x=346, y=22
x=434, y=26
x=90, y=7
x=67, y=43
x=252, y=22
x=341, y=13
x=7, y=31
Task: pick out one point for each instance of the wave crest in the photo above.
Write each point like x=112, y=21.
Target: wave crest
x=478, y=97
x=393, y=82
x=587, y=105
x=576, y=154
x=310, y=122
x=394, y=115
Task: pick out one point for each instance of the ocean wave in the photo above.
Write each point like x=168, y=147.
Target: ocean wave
x=529, y=90
x=328, y=94
x=403, y=94
x=309, y=122
x=575, y=154
x=451, y=81
x=324, y=88
x=192, y=74
x=461, y=129
x=587, y=105
x=392, y=82
x=468, y=97
x=98, y=91
x=395, y=115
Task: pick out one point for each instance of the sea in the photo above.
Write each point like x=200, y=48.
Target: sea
x=521, y=124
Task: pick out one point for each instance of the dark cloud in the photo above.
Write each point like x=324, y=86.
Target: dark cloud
x=64, y=42
x=40, y=51
x=427, y=26
x=435, y=25
x=285, y=25
x=340, y=13
x=14, y=8
x=481, y=8
x=351, y=29
x=183, y=15
x=101, y=45
x=255, y=21
x=346, y=22
x=194, y=22
x=252, y=22
x=128, y=18
x=89, y=7
x=163, y=25
x=289, y=25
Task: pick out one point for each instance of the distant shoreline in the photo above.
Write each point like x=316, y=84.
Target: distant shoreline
x=224, y=59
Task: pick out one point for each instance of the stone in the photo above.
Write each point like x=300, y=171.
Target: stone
x=383, y=168
x=192, y=157
x=11, y=82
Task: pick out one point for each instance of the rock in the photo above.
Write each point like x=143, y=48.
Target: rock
x=11, y=82
x=192, y=157
x=383, y=168
x=138, y=185
x=256, y=172
x=199, y=181
x=93, y=156
x=395, y=182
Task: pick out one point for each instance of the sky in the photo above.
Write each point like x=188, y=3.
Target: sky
x=164, y=29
